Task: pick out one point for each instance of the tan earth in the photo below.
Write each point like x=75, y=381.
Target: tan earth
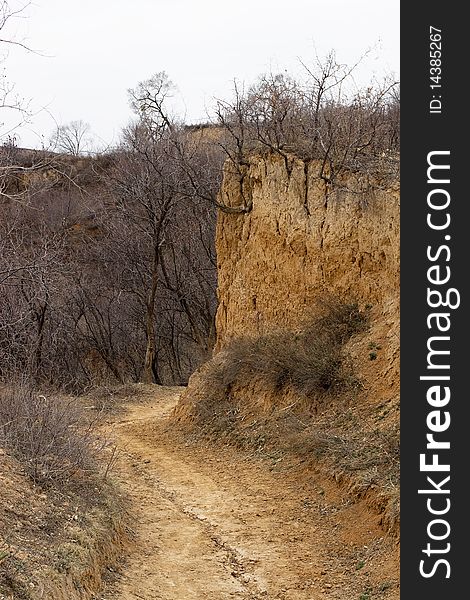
x=215, y=523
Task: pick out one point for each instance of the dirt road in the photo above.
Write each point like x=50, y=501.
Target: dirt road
x=217, y=524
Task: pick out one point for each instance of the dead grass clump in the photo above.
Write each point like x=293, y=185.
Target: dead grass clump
x=47, y=434
x=340, y=321
x=310, y=362
x=281, y=359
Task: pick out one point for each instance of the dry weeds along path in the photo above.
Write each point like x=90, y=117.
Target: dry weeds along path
x=216, y=524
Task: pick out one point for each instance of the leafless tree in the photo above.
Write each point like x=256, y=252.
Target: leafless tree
x=144, y=188
x=321, y=117
x=163, y=187
x=149, y=101
x=73, y=138
x=11, y=103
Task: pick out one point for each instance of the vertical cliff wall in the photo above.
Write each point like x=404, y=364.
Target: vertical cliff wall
x=302, y=239
x=305, y=243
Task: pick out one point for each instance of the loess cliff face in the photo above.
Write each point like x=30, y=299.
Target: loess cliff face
x=302, y=240
x=305, y=244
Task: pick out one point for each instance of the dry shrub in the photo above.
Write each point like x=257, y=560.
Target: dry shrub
x=321, y=116
x=339, y=321
x=310, y=364
x=47, y=434
x=281, y=359
x=292, y=395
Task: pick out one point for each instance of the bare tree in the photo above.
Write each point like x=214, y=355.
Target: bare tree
x=149, y=99
x=321, y=117
x=11, y=103
x=143, y=185
x=163, y=188
x=73, y=138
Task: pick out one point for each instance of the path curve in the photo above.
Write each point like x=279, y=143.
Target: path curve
x=217, y=524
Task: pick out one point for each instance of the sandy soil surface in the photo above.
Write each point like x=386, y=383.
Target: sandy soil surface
x=215, y=523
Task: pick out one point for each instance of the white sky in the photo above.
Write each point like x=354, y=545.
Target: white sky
x=89, y=52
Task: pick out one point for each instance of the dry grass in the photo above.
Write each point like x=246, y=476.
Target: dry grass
x=310, y=364
x=295, y=396
x=56, y=543
x=62, y=521
x=49, y=435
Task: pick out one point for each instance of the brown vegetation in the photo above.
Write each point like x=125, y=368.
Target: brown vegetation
x=49, y=435
x=310, y=362
x=297, y=396
x=108, y=277
x=78, y=305
x=317, y=118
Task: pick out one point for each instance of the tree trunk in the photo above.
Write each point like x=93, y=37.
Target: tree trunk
x=148, y=374
x=36, y=357
x=150, y=371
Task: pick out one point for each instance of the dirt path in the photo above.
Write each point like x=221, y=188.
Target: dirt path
x=219, y=525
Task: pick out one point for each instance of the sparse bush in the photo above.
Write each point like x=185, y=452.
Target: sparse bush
x=47, y=434
x=321, y=116
x=281, y=359
x=340, y=320
x=310, y=361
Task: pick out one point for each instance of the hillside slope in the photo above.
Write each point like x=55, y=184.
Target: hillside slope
x=312, y=270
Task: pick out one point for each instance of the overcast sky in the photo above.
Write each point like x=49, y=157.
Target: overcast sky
x=89, y=52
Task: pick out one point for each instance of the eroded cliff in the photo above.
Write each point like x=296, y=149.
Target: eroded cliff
x=279, y=381
x=302, y=239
